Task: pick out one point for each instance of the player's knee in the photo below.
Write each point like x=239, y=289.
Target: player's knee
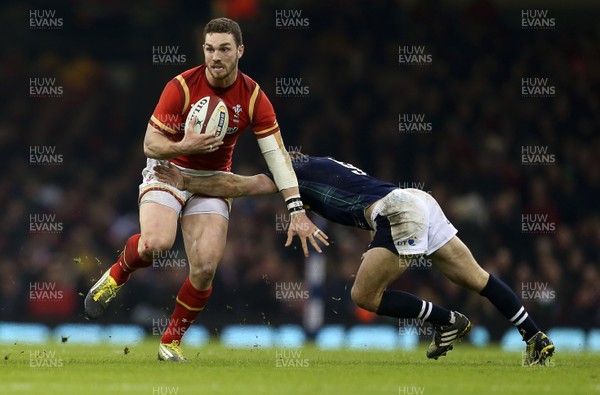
x=478, y=280
x=463, y=282
x=471, y=277
x=202, y=273
x=151, y=245
x=364, y=299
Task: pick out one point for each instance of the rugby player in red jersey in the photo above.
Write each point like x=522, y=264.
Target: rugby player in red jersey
x=204, y=220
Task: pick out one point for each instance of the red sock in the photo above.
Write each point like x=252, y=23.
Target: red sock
x=129, y=261
x=190, y=302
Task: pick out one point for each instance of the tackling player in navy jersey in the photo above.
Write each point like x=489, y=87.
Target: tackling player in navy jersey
x=407, y=224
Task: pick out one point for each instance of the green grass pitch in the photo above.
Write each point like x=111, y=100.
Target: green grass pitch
x=108, y=369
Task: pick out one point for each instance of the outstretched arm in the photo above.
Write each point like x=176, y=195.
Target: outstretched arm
x=233, y=185
x=221, y=184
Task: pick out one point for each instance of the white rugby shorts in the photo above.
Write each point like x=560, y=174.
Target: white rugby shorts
x=410, y=222
x=183, y=202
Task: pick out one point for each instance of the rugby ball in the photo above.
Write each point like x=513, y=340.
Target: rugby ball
x=211, y=112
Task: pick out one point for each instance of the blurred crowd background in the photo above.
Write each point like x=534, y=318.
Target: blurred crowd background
x=348, y=57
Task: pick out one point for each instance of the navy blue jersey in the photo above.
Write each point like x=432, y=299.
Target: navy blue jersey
x=336, y=190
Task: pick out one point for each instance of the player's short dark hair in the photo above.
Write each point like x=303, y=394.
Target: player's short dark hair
x=224, y=25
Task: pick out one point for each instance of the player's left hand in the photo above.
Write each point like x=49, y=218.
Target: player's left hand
x=303, y=227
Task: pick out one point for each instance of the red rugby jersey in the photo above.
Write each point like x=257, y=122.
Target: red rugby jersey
x=246, y=102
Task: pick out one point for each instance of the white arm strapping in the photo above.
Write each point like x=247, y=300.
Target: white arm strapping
x=279, y=162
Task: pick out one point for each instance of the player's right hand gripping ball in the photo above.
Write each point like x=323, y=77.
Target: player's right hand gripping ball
x=211, y=112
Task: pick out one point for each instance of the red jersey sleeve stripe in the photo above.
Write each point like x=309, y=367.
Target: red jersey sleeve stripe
x=185, y=92
x=265, y=131
x=253, y=102
x=161, y=126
